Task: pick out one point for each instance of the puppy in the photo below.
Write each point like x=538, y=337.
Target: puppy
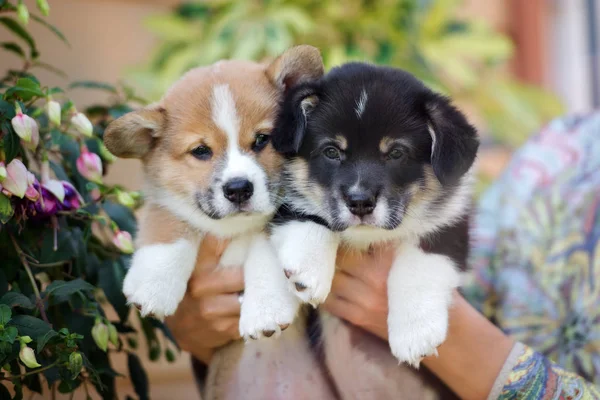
x=373, y=156
x=209, y=167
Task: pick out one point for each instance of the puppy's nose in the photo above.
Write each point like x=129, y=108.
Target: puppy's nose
x=361, y=203
x=238, y=190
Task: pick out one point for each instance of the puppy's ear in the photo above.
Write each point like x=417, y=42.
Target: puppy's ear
x=455, y=141
x=132, y=135
x=296, y=65
x=292, y=119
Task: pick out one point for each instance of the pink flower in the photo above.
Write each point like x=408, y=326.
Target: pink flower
x=82, y=124
x=123, y=241
x=89, y=165
x=31, y=193
x=27, y=129
x=16, y=181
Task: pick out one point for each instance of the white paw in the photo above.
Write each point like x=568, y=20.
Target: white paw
x=150, y=295
x=307, y=253
x=267, y=314
x=412, y=339
x=157, y=279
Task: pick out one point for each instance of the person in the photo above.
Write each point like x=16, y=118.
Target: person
x=526, y=325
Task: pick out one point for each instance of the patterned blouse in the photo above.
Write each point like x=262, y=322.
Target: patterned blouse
x=536, y=262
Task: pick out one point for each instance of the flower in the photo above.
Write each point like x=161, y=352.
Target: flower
x=22, y=13
x=82, y=124
x=26, y=128
x=113, y=335
x=100, y=335
x=27, y=356
x=89, y=165
x=16, y=181
x=53, y=111
x=125, y=199
x=32, y=192
x=43, y=7
x=75, y=363
x=55, y=196
x=123, y=241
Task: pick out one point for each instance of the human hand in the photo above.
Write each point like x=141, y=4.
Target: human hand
x=208, y=317
x=359, y=290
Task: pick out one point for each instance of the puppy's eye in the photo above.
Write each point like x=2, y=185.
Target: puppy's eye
x=332, y=153
x=202, y=152
x=396, y=154
x=260, y=142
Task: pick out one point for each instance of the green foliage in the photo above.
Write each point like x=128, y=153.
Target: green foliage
x=61, y=272
x=459, y=57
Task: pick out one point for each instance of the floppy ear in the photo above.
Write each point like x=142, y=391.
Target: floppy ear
x=455, y=141
x=296, y=65
x=292, y=119
x=132, y=135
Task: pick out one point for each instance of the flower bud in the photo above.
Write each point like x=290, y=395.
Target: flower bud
x=89, y=166
x=75, y=363
x=16, y=181
x=22, y=12
x=27, y=356
x=82, y=124
x=122, y=240
x=170, y=355
x=125, y=199
x=26, y=128
x=100, y=335
x=25, y=339
x=43, y=7
x=56, y=188
x=2, y=171
x=31, y=193
x=53, y=112
x=106, y=154
x=113, y=335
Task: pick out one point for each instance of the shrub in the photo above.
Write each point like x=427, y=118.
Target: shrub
x=65, y=235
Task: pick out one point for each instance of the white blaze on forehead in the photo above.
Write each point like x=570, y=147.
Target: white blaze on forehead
x=224, y=114
x=238, y=164
x=361, y=103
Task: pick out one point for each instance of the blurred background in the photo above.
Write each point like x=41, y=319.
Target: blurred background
x=512, y=65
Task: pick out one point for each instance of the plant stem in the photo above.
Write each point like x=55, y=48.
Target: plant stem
x=35, y=371
x=38, y=296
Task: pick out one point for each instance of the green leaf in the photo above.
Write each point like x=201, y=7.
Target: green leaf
x=51, y=68
x=30, y=326
x=5, y=314
x=54, y=29
x=138, y=376
x=61, y=290
x=42, y=341
x=110, y=279
x=15, y=299
x=9, y=334
x=18, y=30
x=12, y=144
x=6, y=209
x=93, y=85
x=13, y=48
x=33, y=383
x=7, y=110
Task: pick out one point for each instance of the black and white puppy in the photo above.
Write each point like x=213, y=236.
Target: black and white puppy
x=373, y=155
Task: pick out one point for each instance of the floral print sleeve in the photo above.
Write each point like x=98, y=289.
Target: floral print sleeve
x=536, y=262
x=529, y=375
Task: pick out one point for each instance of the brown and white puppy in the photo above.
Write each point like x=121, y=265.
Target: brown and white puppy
x=209, y=168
